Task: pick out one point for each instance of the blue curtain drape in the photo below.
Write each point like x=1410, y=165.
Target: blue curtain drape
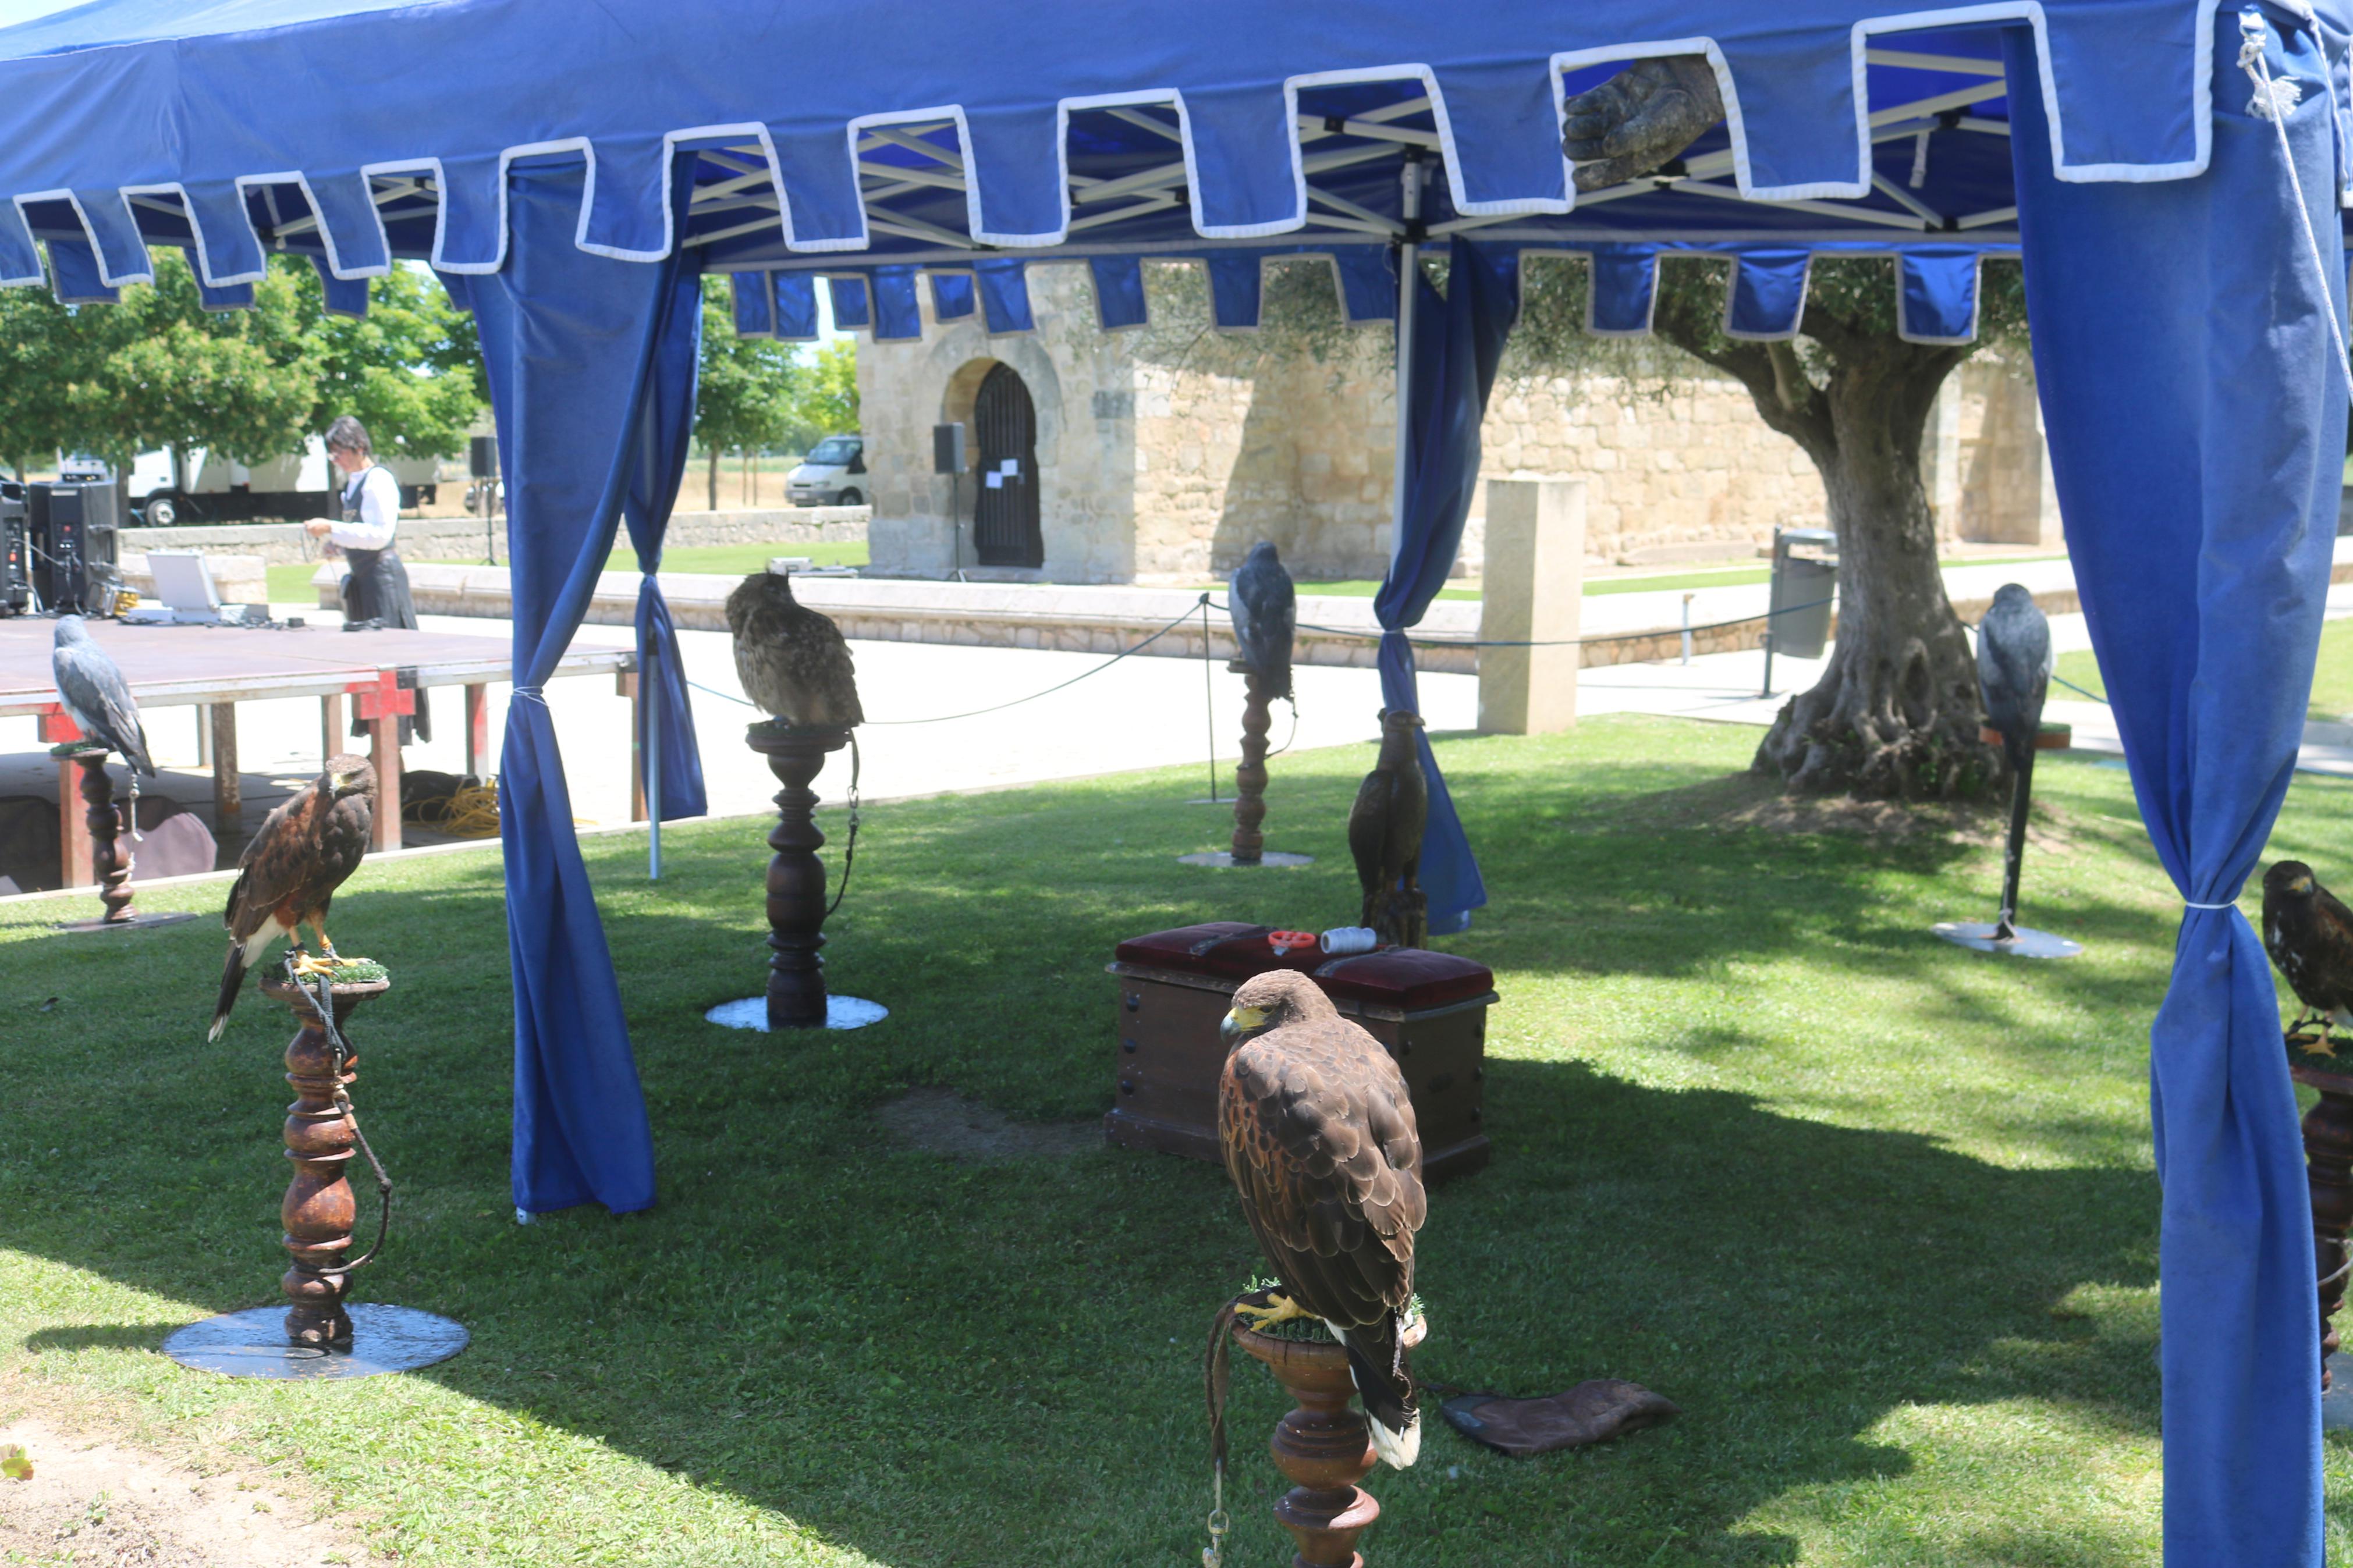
x=570, y=341
x=665, y=431
x=2195, y=424
x=1456, y=343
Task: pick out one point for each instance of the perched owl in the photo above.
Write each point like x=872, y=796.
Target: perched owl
x=793, y=662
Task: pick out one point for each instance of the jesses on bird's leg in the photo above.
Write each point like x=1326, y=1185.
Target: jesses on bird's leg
x=1279, y=1309
x=325, y=964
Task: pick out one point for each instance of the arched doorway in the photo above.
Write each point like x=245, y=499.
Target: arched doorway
x=1005, y=531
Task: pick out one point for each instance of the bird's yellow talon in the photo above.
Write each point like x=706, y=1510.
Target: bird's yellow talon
x=1279, y=1309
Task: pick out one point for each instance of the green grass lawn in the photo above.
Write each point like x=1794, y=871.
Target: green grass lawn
x=1877, y=1212
x=291, y=585
x=2332, y=677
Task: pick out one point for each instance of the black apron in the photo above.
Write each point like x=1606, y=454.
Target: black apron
x=376, y=589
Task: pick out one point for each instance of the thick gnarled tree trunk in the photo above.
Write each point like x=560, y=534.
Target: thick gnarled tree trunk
x=1895, y=714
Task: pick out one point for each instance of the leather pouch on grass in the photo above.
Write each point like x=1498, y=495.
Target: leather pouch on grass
x=1593, y=1412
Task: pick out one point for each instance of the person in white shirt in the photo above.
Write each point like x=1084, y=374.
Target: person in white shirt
x=375, y=590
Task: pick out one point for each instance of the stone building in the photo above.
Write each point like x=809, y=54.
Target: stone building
x=1092, y=462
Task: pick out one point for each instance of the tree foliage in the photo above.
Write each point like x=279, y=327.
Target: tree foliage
x=827, y=402
x=158, y=369
x=747, y=387
x=411, y=370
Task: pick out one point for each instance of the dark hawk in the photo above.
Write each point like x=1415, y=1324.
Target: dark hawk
x=306, y=849
x=1265, y=610
x=1384, y=828
x=94, y=695
x=2014, y=662
x=1318, y=1134
x=793, y=662
x=2310, y=935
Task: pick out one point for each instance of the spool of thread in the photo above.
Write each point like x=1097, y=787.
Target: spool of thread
x=1351, y=939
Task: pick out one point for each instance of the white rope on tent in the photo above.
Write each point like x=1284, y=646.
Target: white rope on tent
x=2272, y=102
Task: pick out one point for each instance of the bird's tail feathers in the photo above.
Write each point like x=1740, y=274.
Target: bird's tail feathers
x=241, y=956
x=1377, y=1364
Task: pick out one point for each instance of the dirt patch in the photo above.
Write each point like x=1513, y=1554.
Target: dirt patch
x=98, y=1502
x=942, y=1121
x=1754, y=802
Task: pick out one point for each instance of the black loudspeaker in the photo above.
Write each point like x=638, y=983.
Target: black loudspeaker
x=16, y=554
x=947, y=449
x=482, y=458
x=71, y=528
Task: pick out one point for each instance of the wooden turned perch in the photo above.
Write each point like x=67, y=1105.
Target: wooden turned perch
x=1324, y=1446
x=2328, y=1156
x=1250, y=773
x=319, y=1209
x=796, y=992
x=110, y=860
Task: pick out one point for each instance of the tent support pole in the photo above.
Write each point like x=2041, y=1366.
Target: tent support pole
x=650, y=719
x=1409, y=263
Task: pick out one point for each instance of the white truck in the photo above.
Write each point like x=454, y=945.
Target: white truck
x=203, y=487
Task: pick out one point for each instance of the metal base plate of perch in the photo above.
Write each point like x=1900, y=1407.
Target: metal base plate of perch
x=136, y=923
x=252, y=1343
x=2337, y=1405
x=2027, y=944
x=1225, y=857
x=840, y=1013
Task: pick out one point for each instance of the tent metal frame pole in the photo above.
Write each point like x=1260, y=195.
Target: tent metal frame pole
x=649, y=738
x=1409, y=266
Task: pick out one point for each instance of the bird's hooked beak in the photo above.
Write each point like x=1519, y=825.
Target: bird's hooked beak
x=1239, y=1022
x=2301, y=885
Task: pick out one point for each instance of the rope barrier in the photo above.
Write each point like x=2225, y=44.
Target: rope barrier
x=1206, y=603
x=998, y=707
x=2081, y=692
x=1360, y=632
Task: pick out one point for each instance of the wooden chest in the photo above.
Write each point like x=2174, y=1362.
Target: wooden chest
x=1173, y=988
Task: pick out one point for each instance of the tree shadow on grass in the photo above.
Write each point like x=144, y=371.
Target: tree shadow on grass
x=940, y=1363
x=934, y=1363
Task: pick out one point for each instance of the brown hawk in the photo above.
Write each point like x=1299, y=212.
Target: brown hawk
x=1318, y=1134
x=1384, y=828
x=2310, y=935
x=793, y=662
x=305, y=850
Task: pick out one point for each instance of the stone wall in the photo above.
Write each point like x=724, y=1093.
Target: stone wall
x=461, y=538
x=1692, y=474
x=1167, y=469
x=1997, y=488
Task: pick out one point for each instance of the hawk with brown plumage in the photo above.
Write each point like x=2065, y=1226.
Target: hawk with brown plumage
x=1385, y=830
x=2309, y=934
x=1318, y=1134
x=306, y=849
x=793, y=662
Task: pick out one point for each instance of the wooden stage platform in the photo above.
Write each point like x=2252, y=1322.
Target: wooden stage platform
x=216, y=668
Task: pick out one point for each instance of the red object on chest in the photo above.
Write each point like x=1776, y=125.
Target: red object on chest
x=1429, y=1008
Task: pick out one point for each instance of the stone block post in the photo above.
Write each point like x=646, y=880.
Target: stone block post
x=1532, y=583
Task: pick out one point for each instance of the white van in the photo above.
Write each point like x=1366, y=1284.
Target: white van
x=834, y=474
x=207, y=487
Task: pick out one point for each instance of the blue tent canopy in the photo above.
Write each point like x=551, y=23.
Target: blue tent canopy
x=2172, y=176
